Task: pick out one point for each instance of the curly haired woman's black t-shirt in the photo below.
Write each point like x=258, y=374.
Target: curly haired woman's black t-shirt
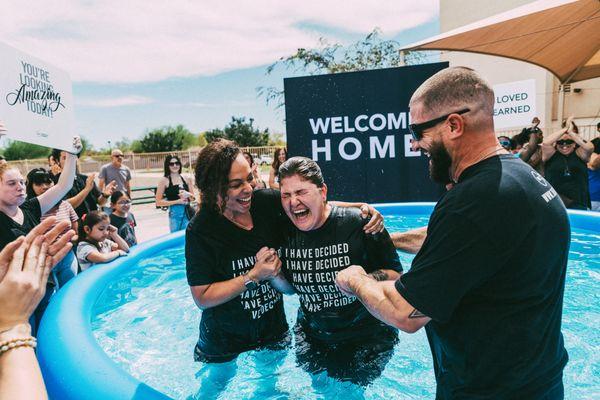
x=216, y=250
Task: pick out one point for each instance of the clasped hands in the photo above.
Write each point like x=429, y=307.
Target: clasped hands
x=267, y=266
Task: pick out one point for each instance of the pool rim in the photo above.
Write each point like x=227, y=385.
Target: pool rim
x=86, y=371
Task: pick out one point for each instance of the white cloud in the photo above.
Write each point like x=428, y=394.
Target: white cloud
x=144, y=41
x=114, y=102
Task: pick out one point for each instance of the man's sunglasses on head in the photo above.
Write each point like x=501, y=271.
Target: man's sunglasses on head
x=416, y=130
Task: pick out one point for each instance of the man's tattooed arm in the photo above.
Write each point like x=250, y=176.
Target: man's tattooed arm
x=379, y=275
x=416, y=314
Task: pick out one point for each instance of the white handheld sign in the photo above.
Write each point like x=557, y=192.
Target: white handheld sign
x=36, y=101
x=514, y=104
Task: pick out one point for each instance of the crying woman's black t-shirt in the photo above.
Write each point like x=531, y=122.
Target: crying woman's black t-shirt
x=216, y=250
x=311, y=261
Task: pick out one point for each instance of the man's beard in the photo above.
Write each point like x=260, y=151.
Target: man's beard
x=439, y=163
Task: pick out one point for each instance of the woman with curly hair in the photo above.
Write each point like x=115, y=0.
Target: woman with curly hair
x=230, y=260
x=278, y=159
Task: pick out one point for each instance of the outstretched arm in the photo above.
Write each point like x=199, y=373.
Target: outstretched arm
x=381, y=299
x=409, y=241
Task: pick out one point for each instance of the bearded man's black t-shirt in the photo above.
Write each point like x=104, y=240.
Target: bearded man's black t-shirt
x=311, y=261
x=11, y=230
x=491, y=276
x=216, y=250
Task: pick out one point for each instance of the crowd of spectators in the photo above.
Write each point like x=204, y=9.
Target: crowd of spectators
x=570, y=163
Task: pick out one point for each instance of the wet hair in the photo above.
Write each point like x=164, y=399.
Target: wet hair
x=304, y=167
x=167, y=169
x=116, y=196
x=276, y=163
x=454, y=88
x=245, y=153
x=212, y=172
x=36, y=176
x=90, y=220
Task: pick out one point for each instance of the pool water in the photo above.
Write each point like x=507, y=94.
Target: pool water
x=146, y=321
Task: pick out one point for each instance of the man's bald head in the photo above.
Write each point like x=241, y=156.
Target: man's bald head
x=453, y=89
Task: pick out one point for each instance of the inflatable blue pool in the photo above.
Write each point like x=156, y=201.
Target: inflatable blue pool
x=85, y=353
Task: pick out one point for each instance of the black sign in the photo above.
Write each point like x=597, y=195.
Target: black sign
x=355, y=125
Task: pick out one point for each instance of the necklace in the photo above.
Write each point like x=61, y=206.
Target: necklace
x=246, y=227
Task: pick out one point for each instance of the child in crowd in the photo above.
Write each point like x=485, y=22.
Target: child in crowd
x=121, y=218
x=100, y=241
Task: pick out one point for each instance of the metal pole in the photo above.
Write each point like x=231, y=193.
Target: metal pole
x=561, y=104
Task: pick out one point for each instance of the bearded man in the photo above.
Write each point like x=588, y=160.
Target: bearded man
x=487, y=288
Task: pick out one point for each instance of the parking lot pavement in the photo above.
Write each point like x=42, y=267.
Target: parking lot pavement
x=151, y=222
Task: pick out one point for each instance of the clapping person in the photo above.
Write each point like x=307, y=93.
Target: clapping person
x=25, y=264
x=565, y=155
x=84, y=195
x=38, y=182
x=532, y=151
x=18, y=216
x=175, y=192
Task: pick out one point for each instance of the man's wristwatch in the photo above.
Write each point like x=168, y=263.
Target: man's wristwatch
x=250, y=283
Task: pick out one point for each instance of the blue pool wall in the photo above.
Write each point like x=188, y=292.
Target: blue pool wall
x=73, y=363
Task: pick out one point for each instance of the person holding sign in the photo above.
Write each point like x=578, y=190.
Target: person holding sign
x=334, y=332
x=19, y=216
x=488, y=291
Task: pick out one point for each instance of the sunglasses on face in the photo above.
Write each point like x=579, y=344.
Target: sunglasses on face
x=565, y=142
x=119, y=156
x=504, y=143
x=172, y=164
x=124, y=202
x=416, y=130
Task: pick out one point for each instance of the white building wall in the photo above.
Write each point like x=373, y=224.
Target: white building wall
x=585, y=105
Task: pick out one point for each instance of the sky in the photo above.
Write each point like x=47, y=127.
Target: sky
x=139, y=65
